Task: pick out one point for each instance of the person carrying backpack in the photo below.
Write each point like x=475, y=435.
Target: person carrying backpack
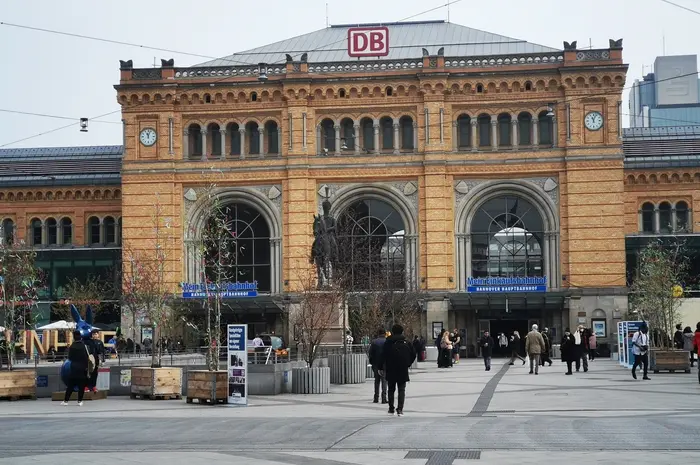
x=398, y=355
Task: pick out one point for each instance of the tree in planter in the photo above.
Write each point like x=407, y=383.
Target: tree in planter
x=656, y=291
x=19, y=281
x=145, y=287
x=316, y=312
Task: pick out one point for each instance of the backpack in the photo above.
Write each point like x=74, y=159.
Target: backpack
x=401, y=353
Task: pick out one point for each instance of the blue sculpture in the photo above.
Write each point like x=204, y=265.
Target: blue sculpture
x=85, y=329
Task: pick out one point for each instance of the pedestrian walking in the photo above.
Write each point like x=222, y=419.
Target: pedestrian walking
x=78, y=356
x=640, y=347
x=375, y=358
x=696, y=346
x=581, y=344
x=534, y=345
x=486, y=344
x=455, y=339
x=568, y=350
x=678, y=337
x=97, y=349
x=688, y=338
x=515, y=348
x=545, y=357
x=592, y=346
x=398, y=355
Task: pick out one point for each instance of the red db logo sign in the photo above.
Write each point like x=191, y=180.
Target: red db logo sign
x=368, y=41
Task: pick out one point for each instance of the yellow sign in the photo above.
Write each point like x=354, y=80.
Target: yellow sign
x=677, y=291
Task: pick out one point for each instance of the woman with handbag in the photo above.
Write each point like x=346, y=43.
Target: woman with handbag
x=79, y=365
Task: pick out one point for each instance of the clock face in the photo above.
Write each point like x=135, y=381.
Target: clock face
x=593, y=121
x=148, y=137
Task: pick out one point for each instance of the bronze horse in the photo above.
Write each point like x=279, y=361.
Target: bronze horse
x=324, y=251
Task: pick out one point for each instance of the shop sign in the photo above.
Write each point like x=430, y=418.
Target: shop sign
x=507, y=285
x=368, y=41
x=225, y=290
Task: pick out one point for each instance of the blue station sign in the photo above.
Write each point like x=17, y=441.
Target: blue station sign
x=224, y=290
x=506, y=285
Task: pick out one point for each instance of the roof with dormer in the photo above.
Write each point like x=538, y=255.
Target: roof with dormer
x=65, y=166
x=406, y=41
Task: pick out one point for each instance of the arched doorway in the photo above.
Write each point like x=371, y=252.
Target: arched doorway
x=372, y=245
x=236, y=244
x=507, y=235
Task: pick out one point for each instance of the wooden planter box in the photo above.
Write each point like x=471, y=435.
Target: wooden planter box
x=669, y=360
x=156, y=383
x=18, y=384
x=207, y=387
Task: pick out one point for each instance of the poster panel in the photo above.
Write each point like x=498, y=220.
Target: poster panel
x=620, y=344
x=237, y=364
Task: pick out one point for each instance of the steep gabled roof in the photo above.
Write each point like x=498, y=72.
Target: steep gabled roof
x=61, y=166
x=406, y=41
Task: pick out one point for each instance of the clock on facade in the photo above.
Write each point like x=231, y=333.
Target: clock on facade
x=593, y=121
x=148, y=137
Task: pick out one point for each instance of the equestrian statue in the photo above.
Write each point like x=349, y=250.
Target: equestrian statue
x=324, y=251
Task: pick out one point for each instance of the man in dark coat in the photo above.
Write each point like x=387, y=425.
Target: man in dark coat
x=97, y=349
x=568, y=350
x=486, y=344
x=544, y=358
x=375, y=358
x=398, y=355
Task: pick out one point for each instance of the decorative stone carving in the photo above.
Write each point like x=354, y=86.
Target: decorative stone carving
x=273, y=193
x=266, y=190
x=549, y=185
x=462, y=187
x=409, y=188
x=325, y=188
x=191, y=195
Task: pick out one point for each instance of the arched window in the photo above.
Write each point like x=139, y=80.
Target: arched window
x=51, y=231
x=406, y=128
x=347, y=134
x=110, y=230
x=665, y=224
x=507, y=237
x=235, y=138
x=36, y=233
x=371, y=245
x=682, y=217
x=504, y=137
x=524, y=129
x=95, y=238
x=272, y=133
x=648, y=218
x=464, y=131
x=253, y=134
x=545, y=128
x=214, y=140
x=195, y=141
x=328, y=135
x=386, y=125
x=484, y=122
x=8, y=231
x=367, y=134
x=237, y=242
x=66, y=231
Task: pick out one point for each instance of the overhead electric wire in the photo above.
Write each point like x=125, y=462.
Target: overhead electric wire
x=682, y=7
x=17, y=112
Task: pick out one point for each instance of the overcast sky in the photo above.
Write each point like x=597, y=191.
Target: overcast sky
x=73, y=77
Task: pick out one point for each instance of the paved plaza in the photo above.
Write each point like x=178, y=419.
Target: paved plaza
x=460, y=415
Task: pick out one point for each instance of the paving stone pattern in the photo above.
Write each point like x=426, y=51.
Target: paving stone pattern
x=460, y=415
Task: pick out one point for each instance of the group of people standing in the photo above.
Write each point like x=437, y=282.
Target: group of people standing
x=83, y=369
x=448, y=346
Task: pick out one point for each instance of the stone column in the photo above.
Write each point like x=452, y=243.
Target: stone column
x=186, y=143
x=102, y=231
x=203, y=133
x=319, y=140
x=455, y=136
x=514, y=133
x=657, y=220
x=475, y=141
x=223, y=143
x=494, y=133
x=547, y=259
x=535, y=133
x=555, y=132
x=241, y=131
x=356, y=138
x=261, y=141
x=415, y=137
x=467, y=259
x=397, y=149
x=336, y=128
x=377, y=147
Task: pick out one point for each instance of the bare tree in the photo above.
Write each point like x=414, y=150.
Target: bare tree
x=656, y=291
x=19, y=282
x=90, y=291
x=382, y=308
x=146, y=291
x=317, y=311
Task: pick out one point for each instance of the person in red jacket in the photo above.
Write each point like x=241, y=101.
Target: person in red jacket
x=696, y=346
